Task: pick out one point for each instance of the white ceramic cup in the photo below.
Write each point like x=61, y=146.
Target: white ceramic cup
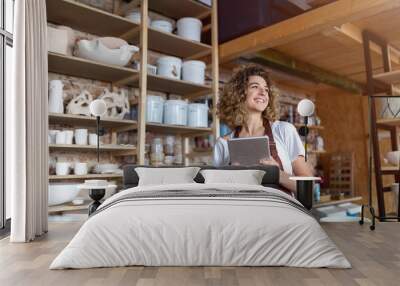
x=62, y=168
x=81, y=136
x=80, y=168
x=61, y=137
x=93, y=139
x=52, y=136
x=69, y=136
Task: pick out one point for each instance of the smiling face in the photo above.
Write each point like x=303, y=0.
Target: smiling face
x=257, y=94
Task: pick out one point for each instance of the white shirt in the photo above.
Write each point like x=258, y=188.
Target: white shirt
x=287, y=140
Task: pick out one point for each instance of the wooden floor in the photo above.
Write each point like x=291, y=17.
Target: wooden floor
x=375, y=257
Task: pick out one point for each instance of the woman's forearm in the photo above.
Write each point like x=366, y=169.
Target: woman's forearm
x=286, y=182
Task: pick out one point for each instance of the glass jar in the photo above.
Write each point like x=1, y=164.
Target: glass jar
x=157, y=152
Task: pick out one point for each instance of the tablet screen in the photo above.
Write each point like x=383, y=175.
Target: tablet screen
x=248, y=150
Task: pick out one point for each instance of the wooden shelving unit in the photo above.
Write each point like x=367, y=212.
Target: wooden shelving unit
x=103, y=147
x=176, y=129
x=87, y=121
x=169, y=85
x=78, y=67
x=172, y=44
x=178, y=9
x=88, y=19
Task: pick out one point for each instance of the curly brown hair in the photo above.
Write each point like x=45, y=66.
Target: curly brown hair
x=231, y=108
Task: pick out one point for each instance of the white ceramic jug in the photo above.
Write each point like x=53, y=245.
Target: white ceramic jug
x=56, y=101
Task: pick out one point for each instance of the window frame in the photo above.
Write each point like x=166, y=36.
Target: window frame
x=6, y=39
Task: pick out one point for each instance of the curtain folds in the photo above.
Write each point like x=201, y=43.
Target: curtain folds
x=27, y=123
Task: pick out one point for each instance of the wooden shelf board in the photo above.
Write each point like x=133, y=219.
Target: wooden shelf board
x=185, y=88
x=81, y=120
x=82, y=177
x=179, y=8
x=336, y=202
x=104, y=147
x=392, y=77
x=85, y=18
x=67, y=208
x=176, y=129
x=172, y=44
x=75, y=66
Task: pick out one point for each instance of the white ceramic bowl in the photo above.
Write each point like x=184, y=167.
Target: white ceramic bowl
x=95, y=50
x=162, y=25
x=106, y=168
x=60, y=193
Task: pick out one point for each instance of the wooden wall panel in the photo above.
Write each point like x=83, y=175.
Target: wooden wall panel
x=342, y=116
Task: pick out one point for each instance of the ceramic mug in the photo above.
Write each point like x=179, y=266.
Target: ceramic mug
x=80, y=168
x=60, y=137
x=52, y=136
x=93, y=139
x=81, y=136
x=62, y=168
x=69, y=136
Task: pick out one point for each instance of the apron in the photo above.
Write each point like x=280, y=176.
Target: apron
x=272, y=148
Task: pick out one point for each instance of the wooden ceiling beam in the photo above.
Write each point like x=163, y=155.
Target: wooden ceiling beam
x=304, y=25
x=348, y=34
x=277, y=60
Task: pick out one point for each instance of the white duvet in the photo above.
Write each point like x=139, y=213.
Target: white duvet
x=200, y=231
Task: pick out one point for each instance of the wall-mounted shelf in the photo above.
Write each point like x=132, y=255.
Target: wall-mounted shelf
x=88, y=19
x=87, y=121
x=185, y=88
x=177, y=129
x=103, y=147
x=180, y=8
x=78, y=67
x=82, y=177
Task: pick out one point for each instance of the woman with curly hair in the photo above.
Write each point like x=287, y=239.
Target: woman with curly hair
x=248, y=106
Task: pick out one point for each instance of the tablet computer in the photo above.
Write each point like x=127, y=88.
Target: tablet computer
x=248, y=150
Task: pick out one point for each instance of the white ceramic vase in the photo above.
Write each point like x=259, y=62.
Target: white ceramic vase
x=56, y=101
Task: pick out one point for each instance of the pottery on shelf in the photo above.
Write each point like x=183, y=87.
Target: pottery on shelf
x=117, y=103
x=56, y=101
x=79, y=105
x=95, y=50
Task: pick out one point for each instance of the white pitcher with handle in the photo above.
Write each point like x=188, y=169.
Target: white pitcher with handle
x=56, y=101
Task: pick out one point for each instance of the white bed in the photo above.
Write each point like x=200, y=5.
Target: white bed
x=267, y=229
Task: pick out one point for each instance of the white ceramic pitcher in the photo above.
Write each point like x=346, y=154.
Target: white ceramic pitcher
x=56, y=101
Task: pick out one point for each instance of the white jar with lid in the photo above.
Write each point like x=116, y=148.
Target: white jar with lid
x=175, y=112
x=193, y=71
x=169, y=67
x=198, y=115
x=189, y=28
x=154, y=108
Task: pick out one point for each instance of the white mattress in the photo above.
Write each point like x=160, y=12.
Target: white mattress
x=191, y=231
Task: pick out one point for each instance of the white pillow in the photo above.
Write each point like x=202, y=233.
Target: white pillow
x=249, y=177
x=166, y=176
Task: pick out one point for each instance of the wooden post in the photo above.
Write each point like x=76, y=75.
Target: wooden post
x=141, y=138
x=215, y=70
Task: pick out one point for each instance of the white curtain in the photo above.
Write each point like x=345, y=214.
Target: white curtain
x=27, y=123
